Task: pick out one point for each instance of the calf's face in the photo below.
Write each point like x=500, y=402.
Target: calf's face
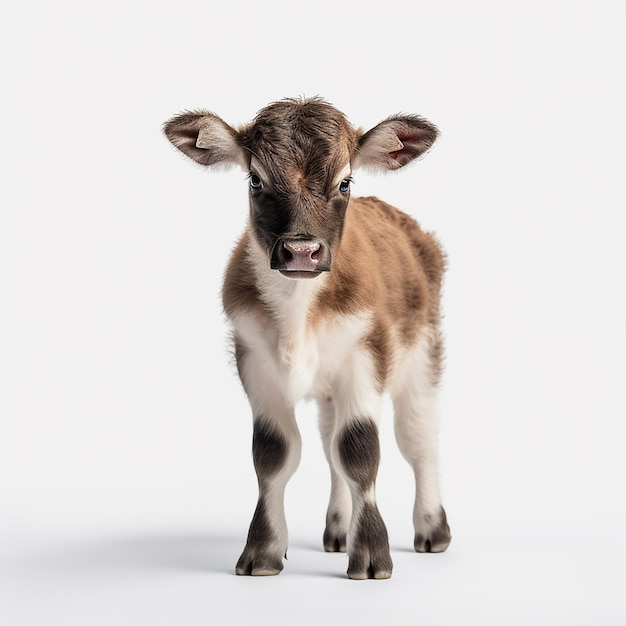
x=299, y=184
x=299, y=155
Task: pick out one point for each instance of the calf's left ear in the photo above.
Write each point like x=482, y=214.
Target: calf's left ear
x=206, y=138
x=394, y=142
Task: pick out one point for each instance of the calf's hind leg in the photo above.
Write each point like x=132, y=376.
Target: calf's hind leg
x=340, y=505
x=416, y=430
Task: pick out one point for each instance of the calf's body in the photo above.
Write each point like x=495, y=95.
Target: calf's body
x=336, y=299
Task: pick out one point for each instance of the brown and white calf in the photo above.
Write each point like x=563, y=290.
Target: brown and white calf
x=332, y=298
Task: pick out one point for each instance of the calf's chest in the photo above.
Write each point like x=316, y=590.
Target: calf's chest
x=307, y=360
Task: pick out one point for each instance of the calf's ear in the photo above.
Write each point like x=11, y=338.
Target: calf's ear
x=206, y=138
x=394, y=142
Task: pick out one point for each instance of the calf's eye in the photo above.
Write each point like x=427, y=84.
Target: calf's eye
x=255, y=182
x=344, y=186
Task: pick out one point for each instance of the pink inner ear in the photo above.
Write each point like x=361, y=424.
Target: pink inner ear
x=394, y=143
x=413, y=139
x=412, y=146
x=395, y=154
x=402, y=156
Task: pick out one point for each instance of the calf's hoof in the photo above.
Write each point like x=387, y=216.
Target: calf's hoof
x=258, y=565
x=334, y=543
x=378, y=568
x=370, y=573
x=436, y=535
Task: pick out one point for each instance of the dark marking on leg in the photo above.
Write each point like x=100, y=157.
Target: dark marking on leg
x=438, y=539
x=369, y=556
x=260, y=531
x=255, y=559
x=269, y=449
x=359, y=452
x=269, y=452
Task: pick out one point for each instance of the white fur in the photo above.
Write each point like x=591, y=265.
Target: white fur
x=257, y=167
x=416, y=427
x=289, y=361
x=340, y=496
x=344, y=174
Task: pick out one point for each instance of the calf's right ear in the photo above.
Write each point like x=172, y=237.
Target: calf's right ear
x=206, y=138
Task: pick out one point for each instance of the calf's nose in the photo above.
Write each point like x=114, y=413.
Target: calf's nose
x=300, y=256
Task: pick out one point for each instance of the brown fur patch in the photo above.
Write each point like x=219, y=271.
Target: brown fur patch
x=386, y=263
x=239, y=290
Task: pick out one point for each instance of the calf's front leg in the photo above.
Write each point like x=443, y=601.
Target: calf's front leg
x=276, y=447
x=275, y=456
x=357, y=454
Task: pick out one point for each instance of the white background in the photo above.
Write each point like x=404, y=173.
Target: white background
x=126, y=469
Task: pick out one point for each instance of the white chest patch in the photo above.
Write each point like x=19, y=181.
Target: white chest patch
x=305, y=362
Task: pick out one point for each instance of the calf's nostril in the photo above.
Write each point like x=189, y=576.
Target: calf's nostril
x=287, y=253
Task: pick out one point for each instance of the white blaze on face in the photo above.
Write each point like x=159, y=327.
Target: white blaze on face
x=257, y=167
x=344, y=174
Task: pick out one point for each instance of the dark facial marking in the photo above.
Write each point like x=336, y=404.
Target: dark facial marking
x=270, y=218
x=269, y=449
x=359, y=452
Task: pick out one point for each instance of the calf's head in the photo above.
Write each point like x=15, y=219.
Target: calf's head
x=299, y=156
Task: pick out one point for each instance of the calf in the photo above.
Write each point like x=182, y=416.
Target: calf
x=333, y=298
